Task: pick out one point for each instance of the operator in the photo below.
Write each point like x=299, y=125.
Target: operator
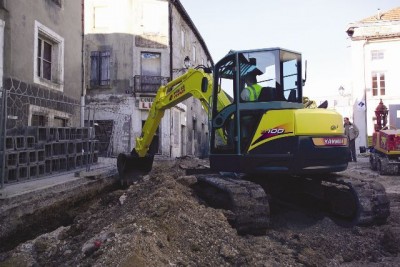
x=351, y=131
x=252, y=91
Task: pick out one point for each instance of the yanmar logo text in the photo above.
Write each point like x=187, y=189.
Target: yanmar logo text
x=334, y=141
x=177, y=93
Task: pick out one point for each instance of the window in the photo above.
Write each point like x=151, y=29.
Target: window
x=38, y=120
x=57, y=2
x=3, y=4
x=194, y=54
x=377, y=54
x=183, y=38
x=49, y=58
x=60, y=122
x=100, y=68
x=44, y=59
x=378, y=84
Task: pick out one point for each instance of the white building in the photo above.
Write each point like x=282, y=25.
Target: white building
x=375, y=49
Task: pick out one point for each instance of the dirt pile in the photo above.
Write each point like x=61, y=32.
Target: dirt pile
x=159, y=221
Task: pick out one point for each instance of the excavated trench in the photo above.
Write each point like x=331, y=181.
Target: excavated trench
x=49, y=218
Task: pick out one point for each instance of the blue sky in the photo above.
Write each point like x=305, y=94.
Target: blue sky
x=316, y=28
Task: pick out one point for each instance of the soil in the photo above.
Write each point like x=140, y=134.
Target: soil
x=159, y=221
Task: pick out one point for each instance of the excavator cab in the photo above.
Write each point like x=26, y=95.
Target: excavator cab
x=261, y=125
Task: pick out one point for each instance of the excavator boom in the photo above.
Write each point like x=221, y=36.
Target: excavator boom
x=194, y=83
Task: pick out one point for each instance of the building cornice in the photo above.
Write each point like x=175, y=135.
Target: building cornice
x=374, y=30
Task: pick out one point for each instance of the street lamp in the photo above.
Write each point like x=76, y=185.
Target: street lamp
x=341, y=91
x=186, y=62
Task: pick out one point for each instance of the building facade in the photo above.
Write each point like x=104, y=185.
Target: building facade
x=41, y=90
x=131, y=49
x=40, y=62
x=375, y=44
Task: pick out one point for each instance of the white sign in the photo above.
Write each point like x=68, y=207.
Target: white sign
x=145, y=102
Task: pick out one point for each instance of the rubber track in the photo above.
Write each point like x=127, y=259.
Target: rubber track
x=248, y=202
x=373, y=203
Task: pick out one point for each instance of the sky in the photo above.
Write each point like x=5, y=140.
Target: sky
x=315, y=28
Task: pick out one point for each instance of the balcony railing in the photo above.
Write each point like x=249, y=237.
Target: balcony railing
x=148, y=84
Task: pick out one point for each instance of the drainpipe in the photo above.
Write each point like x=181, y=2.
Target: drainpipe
x=4, y=131
x=3, y=98
x=170, y=20
x=170, y=39
x=83, y=67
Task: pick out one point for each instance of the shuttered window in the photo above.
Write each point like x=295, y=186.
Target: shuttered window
x=100, y=68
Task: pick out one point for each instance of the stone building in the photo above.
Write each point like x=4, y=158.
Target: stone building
x=131, y=49
x=375, y=49
x=41, y=62
x=41, y=90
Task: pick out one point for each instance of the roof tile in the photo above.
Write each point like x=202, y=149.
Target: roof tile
x=391, y=15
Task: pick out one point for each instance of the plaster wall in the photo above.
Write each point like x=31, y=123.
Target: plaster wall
x=20, y=39
x=363, y=66
x=143, y=26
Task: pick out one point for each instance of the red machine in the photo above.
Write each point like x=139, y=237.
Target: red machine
x=385, y=152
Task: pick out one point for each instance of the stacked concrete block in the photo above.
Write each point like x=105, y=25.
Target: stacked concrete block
x=30, y=142
x=33, y=171
x=11, y=164
x=39, y=151
x=19, y=142
x=9, y=143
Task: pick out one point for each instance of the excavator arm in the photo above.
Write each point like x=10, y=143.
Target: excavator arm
x=196, y=83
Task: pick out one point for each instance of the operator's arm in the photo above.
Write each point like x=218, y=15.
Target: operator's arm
x=245, y=94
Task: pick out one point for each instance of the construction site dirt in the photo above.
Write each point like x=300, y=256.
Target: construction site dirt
x=159, y=221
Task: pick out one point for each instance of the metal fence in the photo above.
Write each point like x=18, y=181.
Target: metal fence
x=41, y=134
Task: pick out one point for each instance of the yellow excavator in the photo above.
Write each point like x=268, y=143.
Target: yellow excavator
x=272, y=147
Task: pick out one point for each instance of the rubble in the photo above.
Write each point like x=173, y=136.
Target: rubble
x=159, y=221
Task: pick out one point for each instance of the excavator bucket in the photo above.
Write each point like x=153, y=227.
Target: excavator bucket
x=130, y=166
